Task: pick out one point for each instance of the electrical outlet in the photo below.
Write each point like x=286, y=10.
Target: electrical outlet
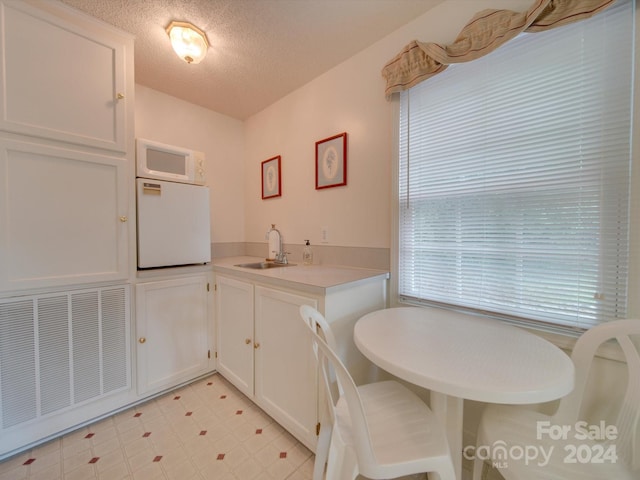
x=324, y=234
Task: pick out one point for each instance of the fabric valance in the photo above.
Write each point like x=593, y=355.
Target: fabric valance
x=486, y=31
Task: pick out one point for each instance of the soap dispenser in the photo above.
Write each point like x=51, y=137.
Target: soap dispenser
x=307, y=254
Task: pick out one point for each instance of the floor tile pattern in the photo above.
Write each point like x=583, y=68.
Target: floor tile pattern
x=206, y=430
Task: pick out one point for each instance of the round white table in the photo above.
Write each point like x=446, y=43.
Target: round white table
x=458, y=356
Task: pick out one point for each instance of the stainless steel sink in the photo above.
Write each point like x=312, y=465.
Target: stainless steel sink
x=264, y=265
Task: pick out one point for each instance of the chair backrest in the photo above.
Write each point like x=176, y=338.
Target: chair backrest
x=628, y=416
x=318, y=323
x=330, y=365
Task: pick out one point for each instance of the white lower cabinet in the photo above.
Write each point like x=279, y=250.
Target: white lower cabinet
x=174, y=331
x=235, y=334
x=263, y=349
x=286, y=386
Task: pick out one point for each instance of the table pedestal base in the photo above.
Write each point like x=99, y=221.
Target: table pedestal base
x=449, y=410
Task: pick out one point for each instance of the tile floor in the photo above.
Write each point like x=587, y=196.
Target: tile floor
x=206, y=430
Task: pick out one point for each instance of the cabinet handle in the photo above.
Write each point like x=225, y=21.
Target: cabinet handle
x=247, y=341
x=256, y=345
x=123, y=219
x=142, y=340
x=120, y=96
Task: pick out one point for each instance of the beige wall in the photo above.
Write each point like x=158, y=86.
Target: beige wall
x=348, y=98
x=172, y=121
x=345, y=100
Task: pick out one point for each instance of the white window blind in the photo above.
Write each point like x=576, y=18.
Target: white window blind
x=514, y=177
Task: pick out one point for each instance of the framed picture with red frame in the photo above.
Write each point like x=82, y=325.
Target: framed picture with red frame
x=331, y=161
x=271, y=179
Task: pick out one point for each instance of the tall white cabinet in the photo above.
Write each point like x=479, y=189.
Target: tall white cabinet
x=66, y=146
x=67, y=219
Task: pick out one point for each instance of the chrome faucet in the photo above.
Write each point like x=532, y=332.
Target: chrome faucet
x=281, y=257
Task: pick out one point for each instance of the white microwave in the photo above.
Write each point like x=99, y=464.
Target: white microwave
x=165, y=162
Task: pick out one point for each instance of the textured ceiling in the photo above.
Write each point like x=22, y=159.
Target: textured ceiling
x=260, y=49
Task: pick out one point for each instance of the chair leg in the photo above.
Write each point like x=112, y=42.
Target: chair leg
x=349, y=465
x=342, y=463
x=443, y=471
x=322, y=451
x=447, y=470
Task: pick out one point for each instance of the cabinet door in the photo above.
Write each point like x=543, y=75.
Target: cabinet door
x=172, y=328
x=63, y=216
x=234, y=320
x=60, y=80
x=286, y=379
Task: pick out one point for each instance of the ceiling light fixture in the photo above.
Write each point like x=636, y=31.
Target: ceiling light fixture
x=188, y=41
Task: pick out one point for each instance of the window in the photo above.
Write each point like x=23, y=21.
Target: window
x=514, y=172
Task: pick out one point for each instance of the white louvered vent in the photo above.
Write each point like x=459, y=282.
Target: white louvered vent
x=53, y=349
x=86, y=345
x=115, y=370
x=58, y=350
x=17, y=362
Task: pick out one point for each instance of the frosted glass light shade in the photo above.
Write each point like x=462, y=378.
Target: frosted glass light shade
x=188, y=41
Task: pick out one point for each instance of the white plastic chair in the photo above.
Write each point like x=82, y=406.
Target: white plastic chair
x=318, y=324
x=504, y=430
x=381, y=430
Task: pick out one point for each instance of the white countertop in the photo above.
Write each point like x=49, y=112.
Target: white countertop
x=315, y=278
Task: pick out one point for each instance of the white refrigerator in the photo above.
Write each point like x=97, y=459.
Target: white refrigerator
x=173, y=224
